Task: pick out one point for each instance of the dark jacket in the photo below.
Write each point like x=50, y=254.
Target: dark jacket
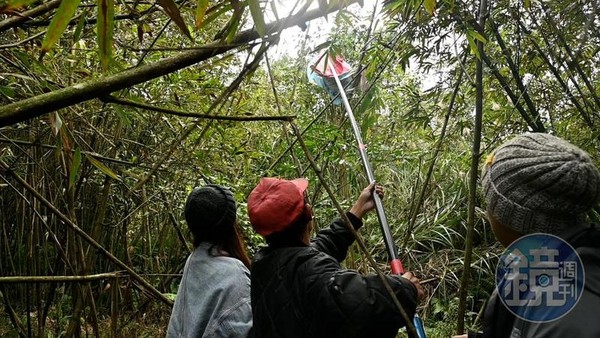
x=302, y=291
x=581, y=322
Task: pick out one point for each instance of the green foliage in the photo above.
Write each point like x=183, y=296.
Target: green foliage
x=257, y=16
x=173, y=12
x=106, y=13
x=201, y=12
x=87, y=159
x=58, y=24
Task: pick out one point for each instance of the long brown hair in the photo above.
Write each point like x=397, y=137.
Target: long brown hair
x=235, y=245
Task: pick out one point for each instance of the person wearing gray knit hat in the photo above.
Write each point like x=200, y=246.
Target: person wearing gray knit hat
x=539, y=183
x=541, y=186
x=213, y=299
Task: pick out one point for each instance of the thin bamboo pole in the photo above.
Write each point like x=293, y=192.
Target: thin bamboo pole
x=580, y=109
x=474, y=174
x=77, y=230
x=57, y=279
x=535, y=115
x=438, y=148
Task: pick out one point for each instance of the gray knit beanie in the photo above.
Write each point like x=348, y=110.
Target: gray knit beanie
x=209, y=211
x=540, y=183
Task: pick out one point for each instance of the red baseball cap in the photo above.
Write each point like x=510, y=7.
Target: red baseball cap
x=275, y=203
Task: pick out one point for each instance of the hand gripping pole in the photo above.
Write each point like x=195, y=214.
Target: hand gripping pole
x=395, y=262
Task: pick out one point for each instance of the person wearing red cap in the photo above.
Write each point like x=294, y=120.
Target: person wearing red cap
x=299, y=289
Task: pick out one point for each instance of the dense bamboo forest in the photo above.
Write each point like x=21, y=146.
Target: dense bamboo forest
x=111, y=112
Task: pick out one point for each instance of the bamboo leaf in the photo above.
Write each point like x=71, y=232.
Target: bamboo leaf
x=173, y=12
x=79, y=28
x=429, y=6
x=234, y=22
x=257, y=16
x=473, y=46
x=74, y=167
x=233, y=28
x=8, y=92
x=105, y=27
x=59, y=23
x=476, y=35
x=201, y=12
x=215, y=12
x=102, y=167
x=527, y=4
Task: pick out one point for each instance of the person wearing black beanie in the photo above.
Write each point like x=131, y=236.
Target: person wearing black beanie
x=213, y=299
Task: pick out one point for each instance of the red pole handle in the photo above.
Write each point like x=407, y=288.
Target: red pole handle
x=396, y=265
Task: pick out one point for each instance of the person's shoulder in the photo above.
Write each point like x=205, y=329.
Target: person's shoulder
x=293, y=257
x=305, y=254
x=230, y=263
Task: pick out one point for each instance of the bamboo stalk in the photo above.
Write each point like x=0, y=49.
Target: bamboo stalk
x=438, y=149
x=562, y=63
x=286, y=136
x=582, y=112
x=81, y=92
x=145, y=285
x=220, y=101
x=474, y=174
x=513, y=97
x=178, y=112
x=27, y=15
x=114, y=307
x=14, y=318
x=57, y=279
x=574, y=60
x=517, y=77
x=49, y=146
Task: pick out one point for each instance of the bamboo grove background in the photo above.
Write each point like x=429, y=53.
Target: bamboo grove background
x=111, y=112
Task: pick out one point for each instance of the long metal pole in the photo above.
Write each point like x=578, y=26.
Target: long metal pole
x=395, y=262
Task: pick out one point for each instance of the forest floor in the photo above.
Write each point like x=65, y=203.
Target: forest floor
x=151, y=323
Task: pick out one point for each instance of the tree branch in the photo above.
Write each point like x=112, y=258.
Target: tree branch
x=81, y=92
x=27, y=15
x=55, y=279
x=515, y=72
x=177, y=112
x=514, y=98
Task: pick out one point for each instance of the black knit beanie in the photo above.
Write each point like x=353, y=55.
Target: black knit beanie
x=540, y=183
x=210, y=209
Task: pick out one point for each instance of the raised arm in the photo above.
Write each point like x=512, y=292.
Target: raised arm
x=336, y=239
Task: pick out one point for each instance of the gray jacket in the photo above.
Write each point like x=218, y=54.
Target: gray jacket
x=213, y=299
